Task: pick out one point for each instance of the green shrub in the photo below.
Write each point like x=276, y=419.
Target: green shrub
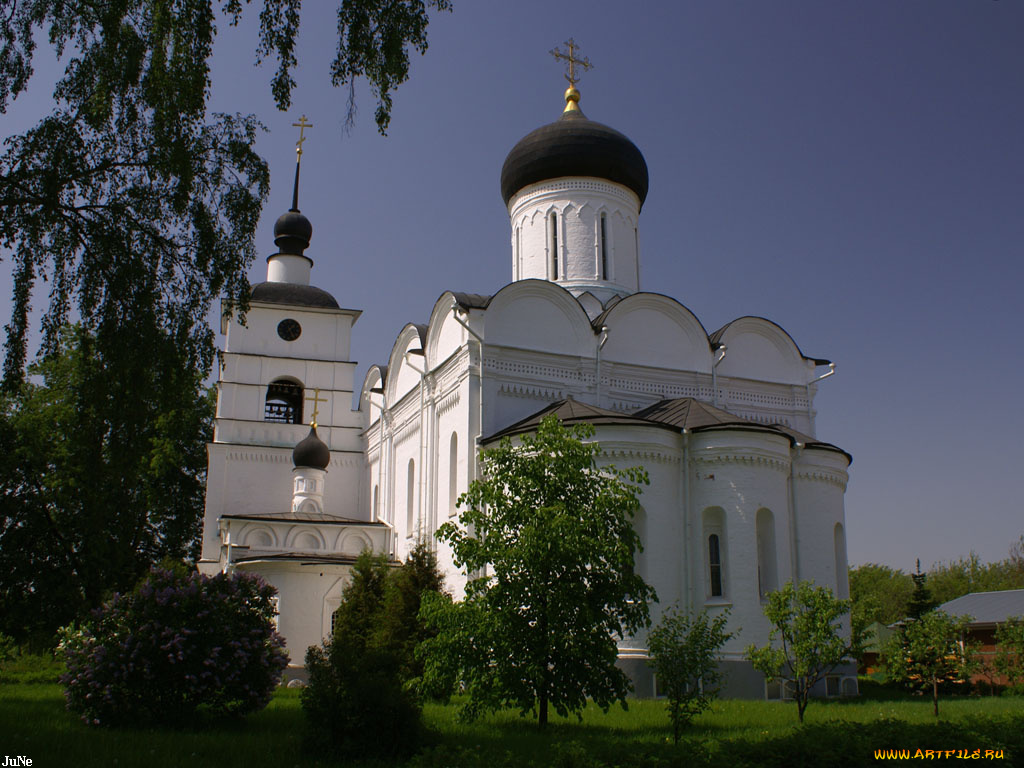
x=178, y=645
x=358, y=703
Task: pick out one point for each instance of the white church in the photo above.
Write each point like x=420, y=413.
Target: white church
x=743, y=495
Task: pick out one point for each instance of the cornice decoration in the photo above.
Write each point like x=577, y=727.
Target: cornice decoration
x=644, y=454
x=538, y=371
x=407, y=429
x=744, y=458
x=260, y=457
x=530, y=392
x=823, y=476
x=527, y=195
x=449, y=401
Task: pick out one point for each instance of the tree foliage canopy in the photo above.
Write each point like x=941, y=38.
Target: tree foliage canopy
x=102, y=471
x=807, y=640
x=929, y=651
x=133, y=209
x=547, y=540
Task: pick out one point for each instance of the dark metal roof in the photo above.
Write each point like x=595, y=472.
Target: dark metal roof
x=573, y=145
x=687, y=413
x=677, y=414
x=987, y=607
x=472, y=300
x=311, y=452
x=569, y=411
x=294, y=295
x=292, y=232
x=302, y=517
x=716, y=338
x=306, y=558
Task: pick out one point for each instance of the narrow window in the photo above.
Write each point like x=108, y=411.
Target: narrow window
x=283, y=403
x=842, y=572
x=715, y=551
x=376, y=502
x=554, y=247
x=604, y=247
x=715, y=565
x=453, y=474
x=767, y=570
x=410, y=497
x=640, y=526
x=519, y=255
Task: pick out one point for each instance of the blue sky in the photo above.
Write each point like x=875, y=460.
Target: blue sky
x=853, y=171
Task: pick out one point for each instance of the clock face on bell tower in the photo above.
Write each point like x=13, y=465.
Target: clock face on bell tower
x=289, y=329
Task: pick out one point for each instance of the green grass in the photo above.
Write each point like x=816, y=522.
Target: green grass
x=734, y=734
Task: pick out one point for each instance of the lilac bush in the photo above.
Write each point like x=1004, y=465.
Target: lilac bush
x=178, y=645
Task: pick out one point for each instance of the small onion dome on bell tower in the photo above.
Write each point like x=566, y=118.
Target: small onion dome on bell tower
x=292, y=232
x=311, y=452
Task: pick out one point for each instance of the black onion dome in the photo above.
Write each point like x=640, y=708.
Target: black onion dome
x=294, y=294
x=311, y=452
x=574, y=145
x=292, y=232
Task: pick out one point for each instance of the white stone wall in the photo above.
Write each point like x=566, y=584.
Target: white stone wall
x=577, y=206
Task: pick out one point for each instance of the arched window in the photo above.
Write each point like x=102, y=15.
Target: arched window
x=453, y=474
x=842, y=571
x=553, y=226
x=519, y=255
x=714, y=552
x=604, y=247
x=284, y=402
x=376, y=502
x=410, y=497
x=767, y=560
x=715, y=565
x=640, y=526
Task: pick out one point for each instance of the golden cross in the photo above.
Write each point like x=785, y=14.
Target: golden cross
x=302, y=125
x=573, y=61
x=316, y=406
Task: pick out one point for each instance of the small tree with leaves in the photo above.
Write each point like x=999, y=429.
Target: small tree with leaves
x=930, y=651
x=548, y=542
x=684, y=654
x=1009, y=659
x=807, y=621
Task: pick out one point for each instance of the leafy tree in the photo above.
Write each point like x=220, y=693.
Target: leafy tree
x=807, y=622
x=99, y=478
x=684, y=654
x=547, y=540
x=878, y=593
x=947, y=581
x=137, y=209
x=929, y=651
x=1009, y=659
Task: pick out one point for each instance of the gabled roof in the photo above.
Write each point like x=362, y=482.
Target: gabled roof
x=569, y=411
x=987, y=607
x=688, y=413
